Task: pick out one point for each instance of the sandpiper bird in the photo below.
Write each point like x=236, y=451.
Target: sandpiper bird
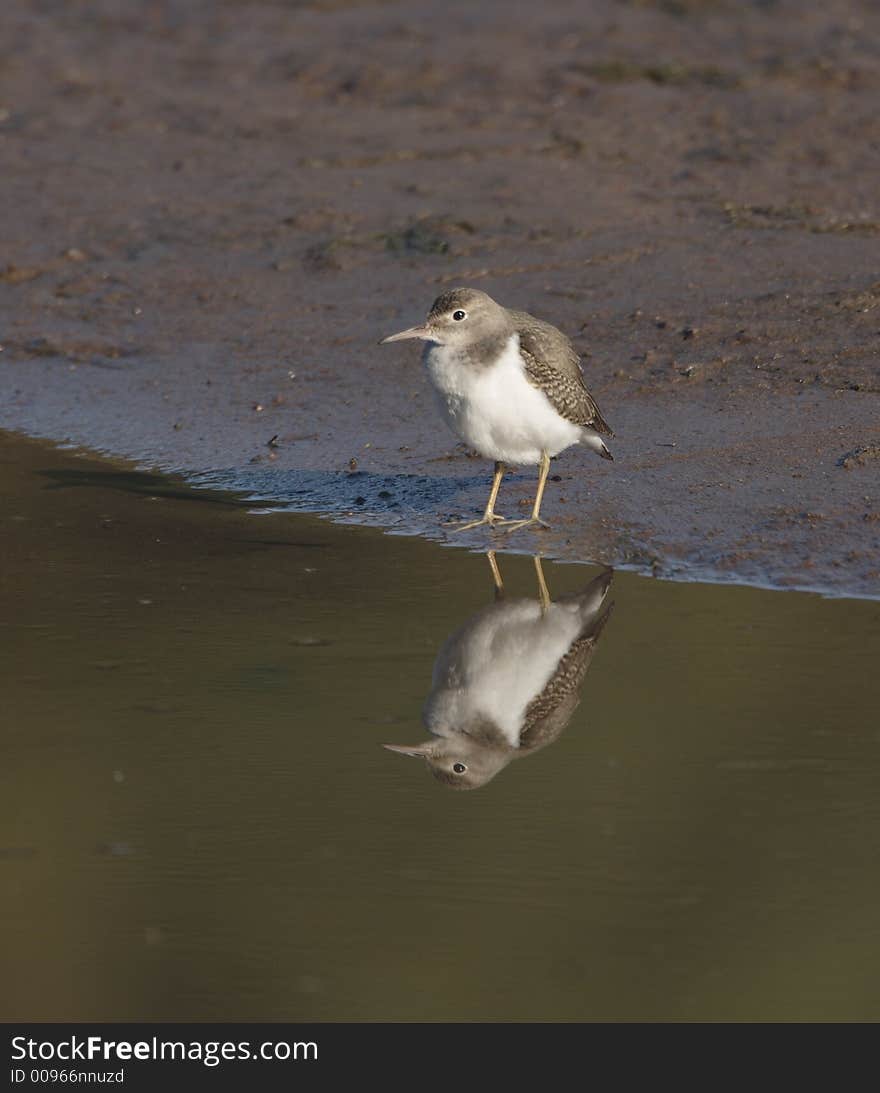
x=507, y=682
x=509, y=385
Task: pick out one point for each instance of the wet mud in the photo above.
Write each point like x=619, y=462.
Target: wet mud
x=212, y=213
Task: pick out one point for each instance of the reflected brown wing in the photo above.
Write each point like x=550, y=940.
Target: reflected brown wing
x=550, y=711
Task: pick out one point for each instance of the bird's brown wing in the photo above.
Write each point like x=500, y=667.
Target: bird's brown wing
x=552, y=364
x=550, y=711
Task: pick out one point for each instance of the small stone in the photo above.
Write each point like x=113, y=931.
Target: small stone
x=16, y=275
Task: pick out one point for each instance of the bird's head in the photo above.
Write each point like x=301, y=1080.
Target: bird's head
x=460, y=318
x=458, y=762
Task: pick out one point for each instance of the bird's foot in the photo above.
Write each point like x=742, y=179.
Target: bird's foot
x=531, y=522
x=491, y=520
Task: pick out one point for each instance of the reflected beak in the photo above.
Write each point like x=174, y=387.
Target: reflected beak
x=416, y=751
x=414, y=332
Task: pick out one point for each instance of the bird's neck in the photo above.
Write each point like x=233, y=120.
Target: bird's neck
x=485, y=352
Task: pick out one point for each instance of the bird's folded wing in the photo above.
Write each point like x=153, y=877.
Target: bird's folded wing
x=562, y=380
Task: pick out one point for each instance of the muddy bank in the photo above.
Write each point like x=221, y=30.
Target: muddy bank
x=211, y=213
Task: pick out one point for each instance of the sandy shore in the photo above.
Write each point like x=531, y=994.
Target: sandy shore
x=212, y=212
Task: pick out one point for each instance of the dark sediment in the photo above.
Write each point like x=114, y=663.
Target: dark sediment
x=212, y=212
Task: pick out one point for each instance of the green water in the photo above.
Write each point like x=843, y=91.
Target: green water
x=199, y=821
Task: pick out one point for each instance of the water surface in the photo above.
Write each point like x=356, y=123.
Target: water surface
x=199, y=821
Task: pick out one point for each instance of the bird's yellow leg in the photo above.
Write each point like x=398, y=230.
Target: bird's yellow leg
x=535, y=518
x=489, y=517
x=542, y=482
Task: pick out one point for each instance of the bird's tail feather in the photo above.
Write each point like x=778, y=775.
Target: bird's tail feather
x=595, y=442
x=600, y=424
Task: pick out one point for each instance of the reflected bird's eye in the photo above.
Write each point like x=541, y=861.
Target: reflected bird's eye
x=459, y=315
x=459, y=768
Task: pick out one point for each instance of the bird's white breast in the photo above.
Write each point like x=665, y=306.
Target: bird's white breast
x=494, y=408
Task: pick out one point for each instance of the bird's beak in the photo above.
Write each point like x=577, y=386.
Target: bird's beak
x=416, y=751
x=414, y=332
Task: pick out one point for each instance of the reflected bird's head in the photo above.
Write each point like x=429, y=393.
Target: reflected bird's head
x=507, y=682
x=460, y=763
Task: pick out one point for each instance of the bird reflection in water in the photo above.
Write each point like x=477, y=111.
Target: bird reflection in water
x=508, y=681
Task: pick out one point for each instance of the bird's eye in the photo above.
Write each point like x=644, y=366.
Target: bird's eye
x=459, y=768
x=459, y=315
